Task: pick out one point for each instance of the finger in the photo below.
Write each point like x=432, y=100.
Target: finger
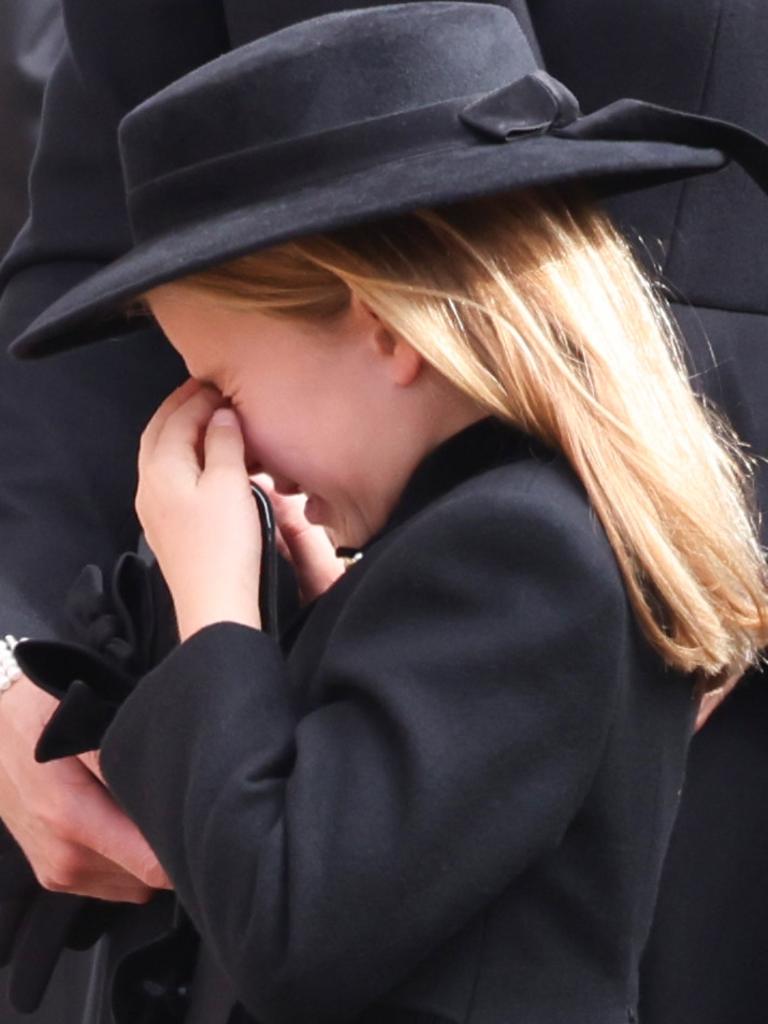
x=314, y=558
x=309, y=547
x=114, y=894
x=103, y=827
x=169, y=404
x=104, y=887
x=224, y=445
x=91, y=761
x=282, y=547
x=107, y=872
x=267, y=484
x=288, y=508
x=179, y=441
x=86, y=873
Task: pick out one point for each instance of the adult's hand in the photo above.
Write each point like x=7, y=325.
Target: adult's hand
x=74, y=835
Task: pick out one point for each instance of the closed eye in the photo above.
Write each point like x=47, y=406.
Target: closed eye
x=212, y=383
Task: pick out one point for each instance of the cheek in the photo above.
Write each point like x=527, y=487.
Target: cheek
x=258, y=422
x=305, y=425
x=278, y=434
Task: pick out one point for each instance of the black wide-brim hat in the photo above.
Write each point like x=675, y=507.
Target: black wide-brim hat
x=354, y=116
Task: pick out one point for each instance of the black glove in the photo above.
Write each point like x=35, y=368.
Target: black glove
x=118, y=633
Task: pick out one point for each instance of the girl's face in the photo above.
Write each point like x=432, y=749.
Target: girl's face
x=342, y=414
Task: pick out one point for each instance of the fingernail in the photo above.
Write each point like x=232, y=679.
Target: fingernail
x=224, y=417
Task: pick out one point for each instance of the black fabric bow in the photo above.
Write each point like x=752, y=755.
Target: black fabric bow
x=533, y=104
x=537, y=104
x=119, y=633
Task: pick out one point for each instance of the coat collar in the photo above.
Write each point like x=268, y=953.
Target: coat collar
x=480, y=446
x=475, y=448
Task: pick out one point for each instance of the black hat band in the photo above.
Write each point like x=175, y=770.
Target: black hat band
x=534, y=104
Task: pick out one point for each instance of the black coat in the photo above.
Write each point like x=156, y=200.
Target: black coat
x=449, y=789
x=705, y=962
x=100, y=398
x=66, y=492
x=31, y=36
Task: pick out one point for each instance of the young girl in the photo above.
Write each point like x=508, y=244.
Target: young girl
x=445, y=793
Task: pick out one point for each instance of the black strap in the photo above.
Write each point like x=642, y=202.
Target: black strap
x=268, y=582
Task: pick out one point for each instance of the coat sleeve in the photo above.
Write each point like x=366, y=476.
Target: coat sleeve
x=467, y=689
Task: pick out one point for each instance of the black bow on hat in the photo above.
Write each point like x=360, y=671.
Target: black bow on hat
x=357, y=115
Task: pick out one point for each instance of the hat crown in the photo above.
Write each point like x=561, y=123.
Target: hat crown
x=323, y=73
x=357, y=115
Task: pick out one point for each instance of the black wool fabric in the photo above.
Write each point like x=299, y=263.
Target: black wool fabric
x=705, y=959
x=69, y=426
x=451, y=794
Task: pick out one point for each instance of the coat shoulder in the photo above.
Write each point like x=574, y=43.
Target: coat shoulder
x=533, y=508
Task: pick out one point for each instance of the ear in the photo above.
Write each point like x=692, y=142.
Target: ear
x=401, y=361
x=405, y=362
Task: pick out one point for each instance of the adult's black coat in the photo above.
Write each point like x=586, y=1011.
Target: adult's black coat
x=707, y=234
x=445, y=794
x=31, y=36
x=66, y=493
x=706, y=959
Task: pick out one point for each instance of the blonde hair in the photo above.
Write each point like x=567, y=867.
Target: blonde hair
x=533, y=304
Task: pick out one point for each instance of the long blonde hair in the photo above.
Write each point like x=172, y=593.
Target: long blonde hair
x=533, y=304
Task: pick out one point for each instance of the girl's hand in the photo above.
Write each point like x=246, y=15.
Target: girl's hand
x=305, y=545
x=197, y=511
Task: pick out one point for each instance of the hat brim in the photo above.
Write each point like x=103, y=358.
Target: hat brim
x=92, y=310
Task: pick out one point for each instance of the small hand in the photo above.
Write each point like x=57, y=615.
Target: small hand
x=197, y=511
x=305, y=545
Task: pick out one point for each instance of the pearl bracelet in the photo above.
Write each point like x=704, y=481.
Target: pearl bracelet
x=9, y=667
